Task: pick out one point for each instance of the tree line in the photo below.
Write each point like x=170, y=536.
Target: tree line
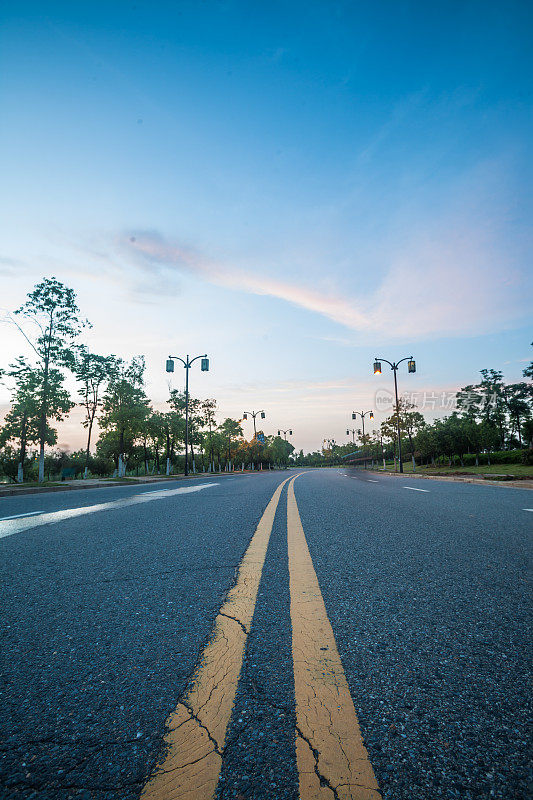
x=112, y=393
x=493, y=422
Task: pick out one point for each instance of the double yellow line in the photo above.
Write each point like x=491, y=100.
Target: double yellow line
x=331, y=758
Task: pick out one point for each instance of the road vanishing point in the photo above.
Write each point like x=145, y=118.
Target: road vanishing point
x=314, y=634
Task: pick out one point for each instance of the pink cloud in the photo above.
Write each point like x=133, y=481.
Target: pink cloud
x=448, y=285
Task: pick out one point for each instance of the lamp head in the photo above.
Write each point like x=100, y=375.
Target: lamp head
x=170, y=365
x=411, y=365
x=377, y=367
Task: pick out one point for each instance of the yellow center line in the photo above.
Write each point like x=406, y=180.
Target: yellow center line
x=331, y=757
x=196, y=734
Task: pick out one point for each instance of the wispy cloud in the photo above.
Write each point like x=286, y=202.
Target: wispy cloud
x=442, y=285
x=153, y=253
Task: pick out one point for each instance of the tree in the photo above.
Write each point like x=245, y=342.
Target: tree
x=196, y=417
x=111, y=446
x=92, y=371
x=231, y=432
x=426, y=443
x=278, y=450
x=157, y=431
x=22, y=424
x=125, y=406
x=52, y=306
x=518, y=397
x=208, y=408
x=485, y=401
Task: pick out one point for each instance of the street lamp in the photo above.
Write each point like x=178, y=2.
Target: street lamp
x=187, y=365
x=411, y=367
x=288, y=431
x=363, y=414
x=353, y=432
x=254, y=414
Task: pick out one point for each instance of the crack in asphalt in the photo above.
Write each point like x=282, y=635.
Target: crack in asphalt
x=316, y=755
x=216, y=746
x=228, y=616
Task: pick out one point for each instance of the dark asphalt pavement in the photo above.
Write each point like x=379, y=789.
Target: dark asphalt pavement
x=104, y=617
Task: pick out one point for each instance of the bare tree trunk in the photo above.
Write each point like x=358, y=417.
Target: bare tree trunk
x=167, y=432
x=121, y=460
x=20, y=470
x=88, y=450
x=44, y=405
x=518, y=429
x=145, y=457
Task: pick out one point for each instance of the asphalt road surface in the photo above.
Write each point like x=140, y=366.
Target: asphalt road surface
x=339, y=634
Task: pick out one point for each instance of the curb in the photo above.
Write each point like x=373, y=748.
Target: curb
x=14, y=491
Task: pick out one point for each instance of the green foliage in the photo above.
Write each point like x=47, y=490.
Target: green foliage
x=22, y=425
x=527, y=457
x=93, y=372
x=52, y=307
x=125, y=407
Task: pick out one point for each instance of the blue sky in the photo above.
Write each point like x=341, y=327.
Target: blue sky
x=290, y=187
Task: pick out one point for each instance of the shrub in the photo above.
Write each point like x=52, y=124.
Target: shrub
x=527, y=457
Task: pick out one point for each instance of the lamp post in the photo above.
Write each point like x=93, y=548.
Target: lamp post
x=254, y=414
x=353, y=432
x=187, y=365
x=288, y=431
x=363, y=414
x=411, y=367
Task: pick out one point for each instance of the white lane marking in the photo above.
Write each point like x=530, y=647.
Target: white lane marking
x=10, y=527
x=371, y=481
x=27, y=514
x=528, y=509
x=412, y=489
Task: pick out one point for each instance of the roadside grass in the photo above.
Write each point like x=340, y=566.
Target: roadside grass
x=520, y=470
